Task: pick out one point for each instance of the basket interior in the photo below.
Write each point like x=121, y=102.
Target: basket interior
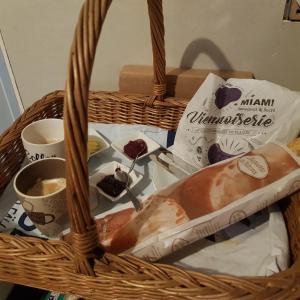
x=104, y=108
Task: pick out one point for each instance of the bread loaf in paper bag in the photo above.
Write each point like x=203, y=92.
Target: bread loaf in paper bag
x=200, y=205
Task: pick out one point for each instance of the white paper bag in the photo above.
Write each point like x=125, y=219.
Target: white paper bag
x=228, y=118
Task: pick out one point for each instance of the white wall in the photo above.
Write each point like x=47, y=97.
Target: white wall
x=239, y=34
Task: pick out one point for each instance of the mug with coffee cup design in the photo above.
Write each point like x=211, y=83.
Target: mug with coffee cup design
x=37, y=217
x=41, y=188
x=44, y=139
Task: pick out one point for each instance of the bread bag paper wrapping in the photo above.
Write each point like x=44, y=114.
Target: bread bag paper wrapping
x=204, y=203
x=228, y=118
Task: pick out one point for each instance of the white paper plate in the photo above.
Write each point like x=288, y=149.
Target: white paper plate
x=108, y=169
x=119, y=145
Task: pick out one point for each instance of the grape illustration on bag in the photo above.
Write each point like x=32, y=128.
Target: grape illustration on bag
x=229, y=118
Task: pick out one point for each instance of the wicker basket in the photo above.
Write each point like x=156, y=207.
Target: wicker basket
x=82, y=268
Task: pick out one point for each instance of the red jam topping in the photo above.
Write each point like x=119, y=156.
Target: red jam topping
x=135, y=148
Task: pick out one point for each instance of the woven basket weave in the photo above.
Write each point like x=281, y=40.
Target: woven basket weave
x=82, y=268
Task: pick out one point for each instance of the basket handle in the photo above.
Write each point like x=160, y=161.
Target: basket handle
x=158, y=48
x=92, y=15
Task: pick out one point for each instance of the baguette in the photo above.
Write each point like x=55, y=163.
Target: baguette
x=206, y=191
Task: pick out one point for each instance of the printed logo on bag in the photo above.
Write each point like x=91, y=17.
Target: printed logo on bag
x=216, y=154
x=295, y=186
x=240, y=112
x=225, y=95
x=237, y=216
x=153, y=254
x=178, y=244
x=206, y=229
x=229, y=118
x=254, y=165
x=209, y=117
x=261, y=102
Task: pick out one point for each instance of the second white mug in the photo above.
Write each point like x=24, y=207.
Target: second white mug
x=44, y=139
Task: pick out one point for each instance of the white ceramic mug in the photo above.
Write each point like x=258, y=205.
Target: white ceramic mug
x=48, y=212
x=44, y=139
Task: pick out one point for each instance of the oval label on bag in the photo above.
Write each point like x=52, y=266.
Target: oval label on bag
x=254, y=165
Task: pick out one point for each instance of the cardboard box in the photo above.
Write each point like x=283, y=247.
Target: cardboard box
x=181, y=83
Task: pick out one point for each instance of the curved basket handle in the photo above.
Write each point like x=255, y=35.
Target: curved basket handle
x=93, y=12
x=158, y=48
x=84, y=234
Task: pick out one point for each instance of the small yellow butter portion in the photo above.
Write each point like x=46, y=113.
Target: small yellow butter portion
x=94, y=145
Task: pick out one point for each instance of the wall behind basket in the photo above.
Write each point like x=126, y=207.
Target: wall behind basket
x=244, y=35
